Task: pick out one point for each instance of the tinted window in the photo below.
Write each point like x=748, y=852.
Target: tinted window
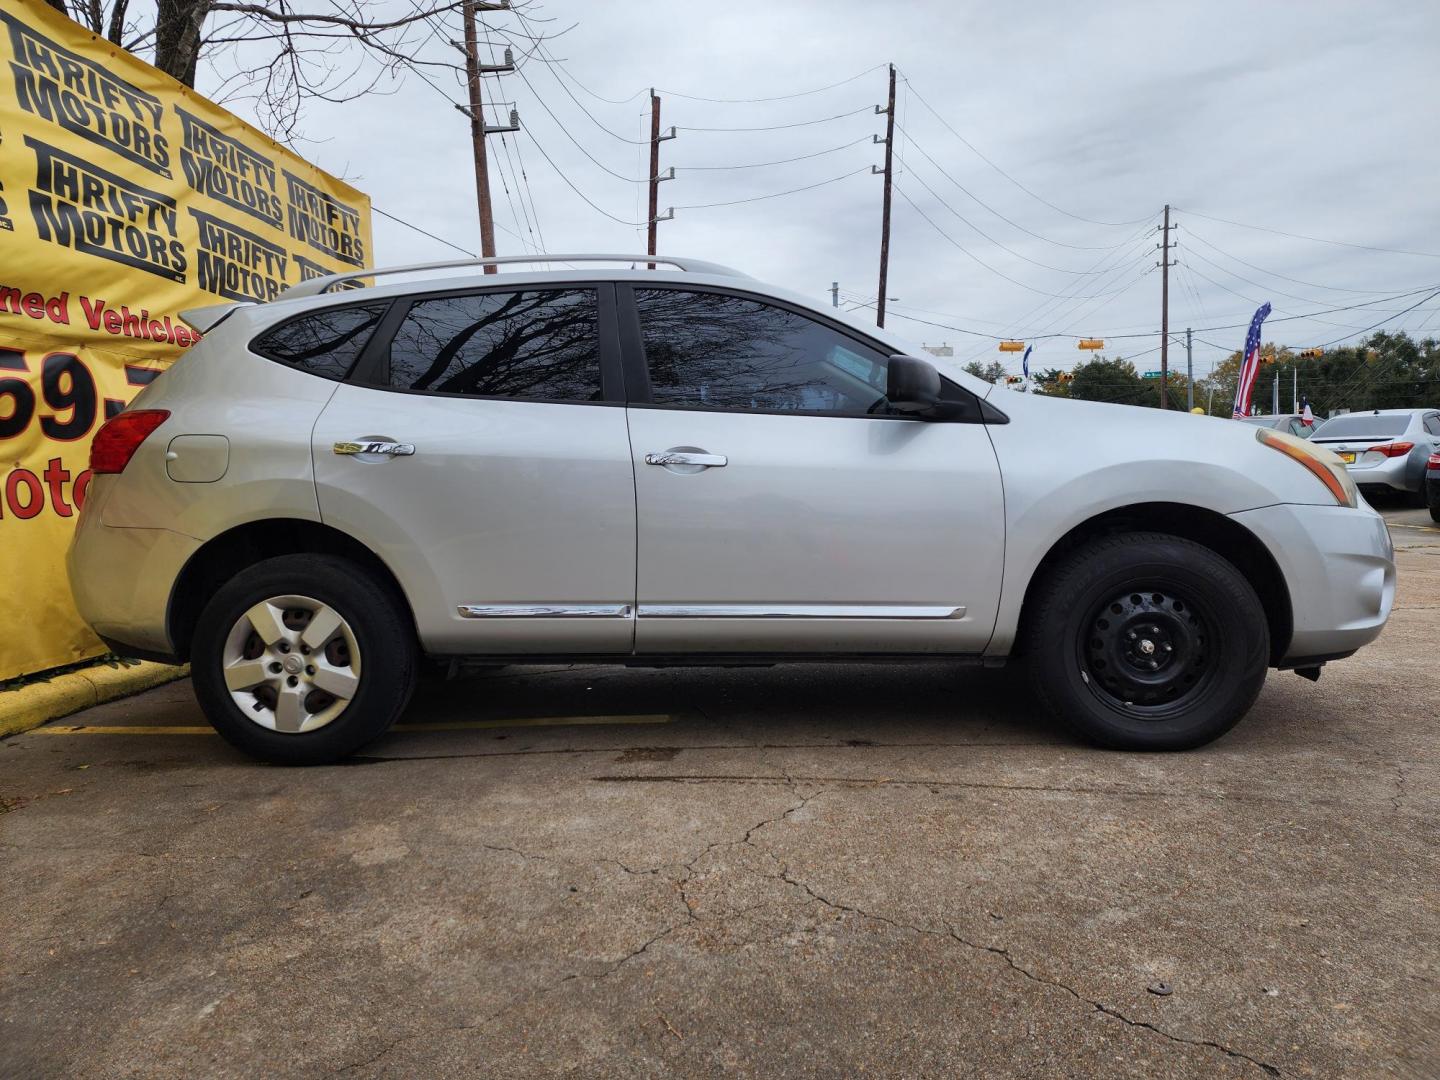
x=713, y=351
x=324, y=343
x=1432, y=424
x=539, y=346
x=1363, y=426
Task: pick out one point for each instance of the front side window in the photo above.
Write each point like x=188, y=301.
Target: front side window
x=710, y=350
x=326, y=342
x=540, y=345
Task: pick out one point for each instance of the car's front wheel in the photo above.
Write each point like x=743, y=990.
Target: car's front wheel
x=1143, y=641
x=303, y=659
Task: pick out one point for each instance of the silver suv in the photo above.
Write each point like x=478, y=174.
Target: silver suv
x=685, y=466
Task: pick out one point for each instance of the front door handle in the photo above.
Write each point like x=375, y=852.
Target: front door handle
x=688, y=457
x=379, y=448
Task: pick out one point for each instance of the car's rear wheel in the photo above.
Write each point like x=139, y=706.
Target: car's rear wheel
x=1144, y=641
x=1432, y=498
x=303, y=659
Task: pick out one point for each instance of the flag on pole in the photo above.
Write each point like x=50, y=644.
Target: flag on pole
x=1249, y=364
x=1306, y=416
x=1025, y=361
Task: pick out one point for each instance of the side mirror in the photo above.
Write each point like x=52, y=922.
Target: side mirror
x=912, y=385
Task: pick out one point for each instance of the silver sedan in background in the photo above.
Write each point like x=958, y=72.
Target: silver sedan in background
x=1384, y=449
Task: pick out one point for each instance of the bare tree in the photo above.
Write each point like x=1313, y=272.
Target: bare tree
x=278, y=57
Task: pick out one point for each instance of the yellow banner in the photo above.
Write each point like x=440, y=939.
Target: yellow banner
x=124, y=199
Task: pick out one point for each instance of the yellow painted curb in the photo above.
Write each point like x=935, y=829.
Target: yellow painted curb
x=35, y=703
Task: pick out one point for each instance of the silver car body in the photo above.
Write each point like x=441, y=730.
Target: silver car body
x=533, y=529
x=1419, y=427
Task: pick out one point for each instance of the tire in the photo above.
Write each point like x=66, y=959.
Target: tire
x=1432, y=497
x=1092, y=637
x=364, y=650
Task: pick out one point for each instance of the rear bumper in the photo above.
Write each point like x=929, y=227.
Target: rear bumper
x=1395, y=473
x=121, y=580
x=1339, y=567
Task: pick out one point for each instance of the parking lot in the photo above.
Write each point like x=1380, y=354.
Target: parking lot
x=790, y=871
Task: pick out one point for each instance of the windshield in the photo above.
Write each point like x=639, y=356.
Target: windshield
x=1363, y=426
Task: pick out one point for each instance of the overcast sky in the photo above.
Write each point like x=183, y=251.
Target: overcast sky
x=1312, y=118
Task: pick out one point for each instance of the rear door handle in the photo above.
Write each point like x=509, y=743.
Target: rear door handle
x=688, y=457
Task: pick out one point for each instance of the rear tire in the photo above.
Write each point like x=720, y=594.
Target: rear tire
x=1144, y=641
x=303, y=659
x=1432, y=497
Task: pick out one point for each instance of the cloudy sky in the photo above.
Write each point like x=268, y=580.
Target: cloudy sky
x=1311, y=118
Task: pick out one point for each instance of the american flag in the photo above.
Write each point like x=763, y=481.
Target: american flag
x=1249, y=364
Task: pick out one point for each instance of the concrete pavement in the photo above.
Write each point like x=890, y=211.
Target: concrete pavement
x=794, y=871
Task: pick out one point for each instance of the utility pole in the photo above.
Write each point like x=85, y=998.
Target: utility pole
x=1295, y=387
x=478, y=128
x=655, y=140
x=1165, y=313
x=834, y=294
x=1275, y=395
x=889, y=112
x=1189, y=369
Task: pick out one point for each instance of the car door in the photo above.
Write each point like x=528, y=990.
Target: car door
x=480, y=450
x=779, y=507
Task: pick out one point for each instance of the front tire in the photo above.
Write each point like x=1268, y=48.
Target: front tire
x=1144, y=641
x=303, y=659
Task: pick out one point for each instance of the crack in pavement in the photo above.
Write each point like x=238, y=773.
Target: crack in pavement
x=1099, y=1006
x=894, y=781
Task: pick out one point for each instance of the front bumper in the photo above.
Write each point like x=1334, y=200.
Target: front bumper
x=1339, y=567
x=121, y=579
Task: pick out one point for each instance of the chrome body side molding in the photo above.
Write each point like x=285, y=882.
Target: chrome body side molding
x=800, y=611
x=539, y=611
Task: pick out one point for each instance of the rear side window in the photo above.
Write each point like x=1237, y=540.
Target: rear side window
x=541, y=345
x=1363, y=426
x=1432, y=423
x=325, y=343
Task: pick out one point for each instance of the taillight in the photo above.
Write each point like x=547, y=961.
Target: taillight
x=120, y=436
x=1394, y=449
x=1433, y=461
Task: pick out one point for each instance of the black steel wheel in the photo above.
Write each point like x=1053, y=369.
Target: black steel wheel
x=1143, y=641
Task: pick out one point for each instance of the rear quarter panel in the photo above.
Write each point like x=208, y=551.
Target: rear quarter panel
x=266, y=410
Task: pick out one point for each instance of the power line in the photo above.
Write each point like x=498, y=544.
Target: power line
x=975, y=150
x=1315, y=239
x=555, y=68
x=777, y=194
x=781, y=161
x=571, y=185
x=987, y=236
x=777, y=97
x=971, y=255
x=911, y=140
x=550, y=112
x=1273, y=273
x=422, y=232
x=784, y=127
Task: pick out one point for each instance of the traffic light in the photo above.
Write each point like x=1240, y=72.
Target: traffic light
x=1011, y=380
x=1091, y=343
x=1012, y=346
x=1310, y=354
x=1065, y=376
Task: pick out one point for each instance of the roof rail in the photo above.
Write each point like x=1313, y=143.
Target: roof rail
x=317, y=286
